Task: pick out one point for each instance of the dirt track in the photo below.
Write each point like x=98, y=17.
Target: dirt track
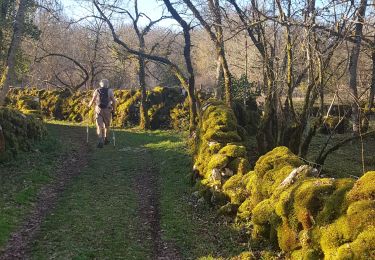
x=148, y=193
x=71, y=165
x=146, y=187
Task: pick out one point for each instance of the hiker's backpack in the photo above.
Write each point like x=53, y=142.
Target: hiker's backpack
x=103, y=97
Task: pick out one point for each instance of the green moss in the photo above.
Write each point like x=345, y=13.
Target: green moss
x=335, y=204
x=280, y=156
x=235, y=189
x=245, y=256
x=233, y=150
x=214, y=134
x=218, y=161
x=287, y=237
x=363, y=247
x=239, y=166
x=19, y=132
x=305, y=254
x=264, y=213
x=228, y=209
x=309, y=199
x=364, y=188
x=360, y=217
x=245, y=209
x=219, y=198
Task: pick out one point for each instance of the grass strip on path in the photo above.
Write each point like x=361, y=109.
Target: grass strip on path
x=97, y=215
x=197, y=232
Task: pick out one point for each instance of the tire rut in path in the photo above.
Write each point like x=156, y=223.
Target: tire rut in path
x=71, y=164
x=148, y=193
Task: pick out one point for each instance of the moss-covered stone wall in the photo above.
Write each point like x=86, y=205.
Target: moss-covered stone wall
x=166, y=105
x=282, y=202
x=17, y=132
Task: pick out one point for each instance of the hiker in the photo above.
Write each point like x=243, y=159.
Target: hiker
x=105, y=105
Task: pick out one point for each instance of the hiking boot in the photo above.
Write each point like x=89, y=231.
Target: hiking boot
x=106, y=141
x=100, y=144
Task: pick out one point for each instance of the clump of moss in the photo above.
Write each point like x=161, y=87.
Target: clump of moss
x=235, y=189
x=351, y=235
x=233, y=150
x=239, y=166
x=19, y=131
x=364, y=188
x=180, y=116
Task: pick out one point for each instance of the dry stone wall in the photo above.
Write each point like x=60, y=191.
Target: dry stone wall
x=282, y=201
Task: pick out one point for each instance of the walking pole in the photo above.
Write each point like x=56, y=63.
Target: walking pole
x=87, y=129
x=87, y=119
x=113, y=131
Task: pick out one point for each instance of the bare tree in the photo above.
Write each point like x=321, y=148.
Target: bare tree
x=189, y=66
x=9, y=74
x=162, y=60
x=217, y=38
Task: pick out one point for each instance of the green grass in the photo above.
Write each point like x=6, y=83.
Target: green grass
x=22, y=178
x=347, y=160
x=197, y=232
x=97, y=216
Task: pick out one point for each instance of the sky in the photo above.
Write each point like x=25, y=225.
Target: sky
x=152, y=8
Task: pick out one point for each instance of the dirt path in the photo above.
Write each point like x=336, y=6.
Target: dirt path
x=71, y=165
x=147, y=189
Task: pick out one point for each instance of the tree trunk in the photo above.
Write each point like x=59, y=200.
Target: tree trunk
x=189, y=66
x=214, y=6
x=353, y=65
x=9, y=74
x=145, y=120
x=370, y=101
x=219, y=79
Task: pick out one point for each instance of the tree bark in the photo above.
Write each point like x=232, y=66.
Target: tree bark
x=353, y=66
x=370, y=101
x=189, y=65
x=9, y=74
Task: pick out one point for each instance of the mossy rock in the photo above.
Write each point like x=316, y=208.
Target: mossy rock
x=228, y=209
x=335, y=204
x=235, y=189
x=239, y=166
x=306, y=254
x=218, y=161
x=364, y=188
x=279, y=156
x=359, y=218
x=219, y=198
x=245, y=209
x=221, y=136
x=363, y=247
x=309, y=199
x=287, y=237
x=233, y=150
x=264, y=213
x=19, y=132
